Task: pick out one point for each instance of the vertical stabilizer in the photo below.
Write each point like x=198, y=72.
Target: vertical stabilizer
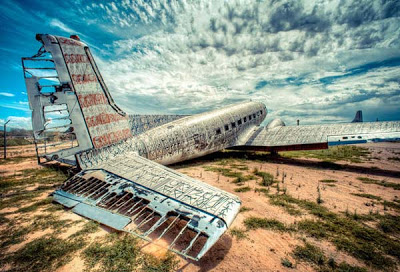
x=358, y=118
x=70, y=84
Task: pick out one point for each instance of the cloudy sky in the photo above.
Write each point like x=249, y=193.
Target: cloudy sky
x=317, y=61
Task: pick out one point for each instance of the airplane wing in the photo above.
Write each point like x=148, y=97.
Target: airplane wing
x=279, y=137
x=130, y=193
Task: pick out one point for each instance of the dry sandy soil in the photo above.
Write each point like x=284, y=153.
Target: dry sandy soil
x=264, y=250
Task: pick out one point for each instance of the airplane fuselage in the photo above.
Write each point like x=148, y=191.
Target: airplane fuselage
x=201, y=134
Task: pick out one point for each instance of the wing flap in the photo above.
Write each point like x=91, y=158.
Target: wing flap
x=102, y=216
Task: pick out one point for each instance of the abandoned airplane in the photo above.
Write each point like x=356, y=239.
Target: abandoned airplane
x=123, y=183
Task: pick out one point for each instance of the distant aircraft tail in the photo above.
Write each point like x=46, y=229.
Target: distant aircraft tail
x=69, y=100
x=358, y=118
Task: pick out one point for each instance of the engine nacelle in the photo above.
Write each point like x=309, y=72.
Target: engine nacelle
x=275, y=123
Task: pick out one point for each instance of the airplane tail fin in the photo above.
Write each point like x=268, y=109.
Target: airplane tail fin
x=71, y=105
x=358, y=118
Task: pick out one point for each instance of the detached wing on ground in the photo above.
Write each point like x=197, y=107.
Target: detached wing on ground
x=279, y=137
x=130, y=193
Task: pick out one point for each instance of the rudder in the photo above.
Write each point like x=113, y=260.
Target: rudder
x=91, y=115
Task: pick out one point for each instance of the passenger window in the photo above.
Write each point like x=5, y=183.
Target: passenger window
x=254, y=115
x=345, y=138
x=233, y=125
x=249, y=117
x=226, y=127
x=218, y=131
x=239, y=121
x=359, y=137
x=244, y=119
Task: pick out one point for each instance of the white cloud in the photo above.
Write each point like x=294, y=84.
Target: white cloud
x=17, y=122
x=6, y=94
x=113, y=6
x=16, y=105
x=60, y=25
x=186, y=57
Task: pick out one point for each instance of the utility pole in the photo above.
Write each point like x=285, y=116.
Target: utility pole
x=5, y=139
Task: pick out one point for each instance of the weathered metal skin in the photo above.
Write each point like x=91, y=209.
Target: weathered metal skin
x=200, y=134
x=140, y=123
x=123, y=183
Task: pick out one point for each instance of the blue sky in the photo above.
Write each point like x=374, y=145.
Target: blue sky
x=317, y=61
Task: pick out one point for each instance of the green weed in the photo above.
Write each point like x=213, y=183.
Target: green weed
x=35, y=205
x=44, y=254
x=238, y=233
x=244, y=209
x=252, y=223
x=369, y=196
x=328, y=181
x=354, y=154
x=242, y=189
x=117, y=253
x=384, y=183
x=286, y=263
x=122, y=253
x=389, y=224
x=241, y=167
x=284, y=202
x=392, y=205
x=45, y=221
x=262, y=190
x=267, y=179
x=309, y=253
x=166, y=264
x=312, y=254
x=89, y=227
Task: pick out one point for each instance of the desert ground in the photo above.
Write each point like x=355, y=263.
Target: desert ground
x=328, y=210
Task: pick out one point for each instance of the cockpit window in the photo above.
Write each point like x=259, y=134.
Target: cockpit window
x=239, y=121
